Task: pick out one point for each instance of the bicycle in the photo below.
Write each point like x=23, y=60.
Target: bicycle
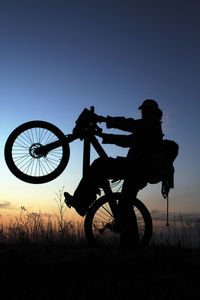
x=38, y=152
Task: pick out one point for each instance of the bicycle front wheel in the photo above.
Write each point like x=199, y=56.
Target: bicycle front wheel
x=101, y=228
x=21, y=152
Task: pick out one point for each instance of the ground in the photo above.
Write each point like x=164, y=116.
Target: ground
x=31, y=271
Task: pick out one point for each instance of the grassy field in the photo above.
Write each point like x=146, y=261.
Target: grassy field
x=44, y=258
x=43, y=271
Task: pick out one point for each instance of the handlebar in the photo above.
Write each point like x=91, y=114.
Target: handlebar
x=87, y=116
x=86, y=124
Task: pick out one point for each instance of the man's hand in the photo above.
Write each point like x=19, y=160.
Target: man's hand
x=102, y=135
x=101, y=119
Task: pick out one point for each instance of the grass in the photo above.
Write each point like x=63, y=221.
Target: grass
x=45, y=257
x=180, y=234
x=35, y=227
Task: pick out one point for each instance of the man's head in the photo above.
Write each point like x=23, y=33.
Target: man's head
x=150, y=110
x=149, y=104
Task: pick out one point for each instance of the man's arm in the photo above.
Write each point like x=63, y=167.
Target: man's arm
x=126, y=124
x=117, y=139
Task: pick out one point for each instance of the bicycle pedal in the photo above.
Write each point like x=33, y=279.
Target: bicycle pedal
x=98, y=192
x=68, y=205
x=67, y=199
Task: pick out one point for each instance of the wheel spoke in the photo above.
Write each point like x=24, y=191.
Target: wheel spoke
x=23, y=155
x=36, y=135
x=21, y=142
x=23, y=152
x=27, y=135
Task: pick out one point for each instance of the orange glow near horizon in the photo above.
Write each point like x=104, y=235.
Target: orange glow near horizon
x=12, y=214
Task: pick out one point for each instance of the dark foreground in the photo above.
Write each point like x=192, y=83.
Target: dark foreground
x=79, y=272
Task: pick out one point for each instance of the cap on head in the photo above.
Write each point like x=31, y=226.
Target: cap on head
x=149, y=103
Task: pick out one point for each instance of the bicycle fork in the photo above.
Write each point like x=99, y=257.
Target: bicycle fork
x=112, y=203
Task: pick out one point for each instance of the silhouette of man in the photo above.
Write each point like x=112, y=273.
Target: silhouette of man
x=145, y=143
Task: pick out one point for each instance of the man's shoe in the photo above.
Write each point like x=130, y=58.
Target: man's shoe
x=71, y=202
x=68, y=199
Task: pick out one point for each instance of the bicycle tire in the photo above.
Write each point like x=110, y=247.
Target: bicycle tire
x=19, y=148
x=94, y=235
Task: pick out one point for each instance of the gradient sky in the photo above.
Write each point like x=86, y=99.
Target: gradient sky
x=59, y=56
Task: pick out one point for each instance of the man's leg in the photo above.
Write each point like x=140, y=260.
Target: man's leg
x=129, y=235
x=100, y=170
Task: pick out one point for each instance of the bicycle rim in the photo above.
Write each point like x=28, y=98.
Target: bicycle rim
x=101, y=228
x=22, y=158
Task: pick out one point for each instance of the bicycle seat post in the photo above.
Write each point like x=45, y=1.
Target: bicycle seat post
x=107, y=189
x=112, y=203
x=86, y=151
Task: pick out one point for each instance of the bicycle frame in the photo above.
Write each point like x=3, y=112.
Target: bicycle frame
x=89, y=139
x=92, y=140
x=32, y=159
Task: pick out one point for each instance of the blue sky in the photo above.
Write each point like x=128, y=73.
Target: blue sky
x=58, y=57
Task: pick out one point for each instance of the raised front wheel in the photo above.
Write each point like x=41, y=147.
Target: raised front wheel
x=23, y=155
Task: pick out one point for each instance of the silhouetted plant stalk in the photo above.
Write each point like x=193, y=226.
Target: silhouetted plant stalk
x=180, y=233
x=35, y=227
x=65, y=227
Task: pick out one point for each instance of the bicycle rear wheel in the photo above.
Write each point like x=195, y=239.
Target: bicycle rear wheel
x=21, y=152
x=101, y=229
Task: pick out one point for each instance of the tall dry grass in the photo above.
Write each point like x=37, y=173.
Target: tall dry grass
x=36, y=227
x=180, y=233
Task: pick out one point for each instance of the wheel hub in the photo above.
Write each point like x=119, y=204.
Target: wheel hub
x=33, y=150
